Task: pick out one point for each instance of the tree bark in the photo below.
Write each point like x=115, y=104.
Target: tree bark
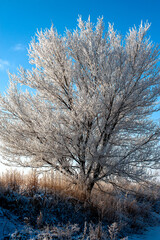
x=88, y=190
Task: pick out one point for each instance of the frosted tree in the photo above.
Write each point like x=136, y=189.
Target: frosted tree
x=89, y=114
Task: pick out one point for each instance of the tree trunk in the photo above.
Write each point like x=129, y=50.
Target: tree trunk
x=88, y=189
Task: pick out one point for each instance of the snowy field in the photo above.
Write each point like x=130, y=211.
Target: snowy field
x=17, y=205
x=151, y=233
x=10, y=225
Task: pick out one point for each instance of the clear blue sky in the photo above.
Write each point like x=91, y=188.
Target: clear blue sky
x=20, y=19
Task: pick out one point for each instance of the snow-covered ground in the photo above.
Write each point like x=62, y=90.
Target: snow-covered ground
x=29, y=213
x=8, y=223
x=152, y=233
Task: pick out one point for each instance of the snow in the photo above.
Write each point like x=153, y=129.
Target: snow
x=8, y=223
x=152, y=233
x=22, y=214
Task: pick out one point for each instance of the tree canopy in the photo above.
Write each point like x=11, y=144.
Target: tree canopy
x=89, y=116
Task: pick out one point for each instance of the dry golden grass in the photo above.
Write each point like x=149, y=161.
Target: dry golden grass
x=119, y=205
x=108, y=200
